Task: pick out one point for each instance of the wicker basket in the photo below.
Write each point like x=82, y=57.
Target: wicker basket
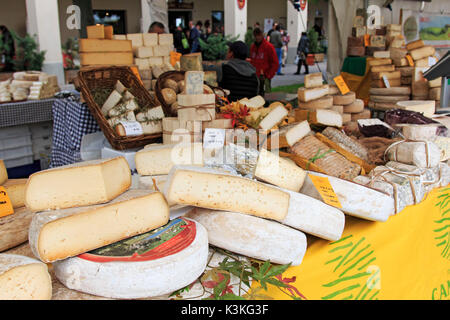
x=172, y=75
x=105, y=78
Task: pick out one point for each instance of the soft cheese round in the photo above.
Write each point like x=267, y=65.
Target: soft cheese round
x=149, y=265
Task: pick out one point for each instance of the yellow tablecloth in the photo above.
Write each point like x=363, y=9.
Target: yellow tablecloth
x=407, y=257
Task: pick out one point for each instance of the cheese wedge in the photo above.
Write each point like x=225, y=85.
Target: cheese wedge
x=3, y=173
x=424, y=52
x=427, y=107
x=111, y=102
x=15, y=188
x=79, y=184
x=321, y=117
x=61, y=234
x=298, y=132
x=24, y=278
x=279, y=171
x=343, y=100
x=273, y=118
x=321, y=103
x=305, y=94
x=314, y=80
x=159, y=159
x=211, y=189
x=355, y=107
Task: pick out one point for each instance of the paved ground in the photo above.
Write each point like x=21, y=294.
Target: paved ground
x=289, y=77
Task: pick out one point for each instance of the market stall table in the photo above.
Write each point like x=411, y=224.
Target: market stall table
x=26, y=112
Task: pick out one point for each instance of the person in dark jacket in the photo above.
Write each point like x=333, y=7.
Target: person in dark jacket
x=194, y=36
x=302, y=52
x=238, y=75
x=276, y=40
x=178, y=39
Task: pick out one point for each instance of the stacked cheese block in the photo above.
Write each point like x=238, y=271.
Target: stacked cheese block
x=355, y=43
x=5, y=94
x=151, y=55
x=121, y=109
x=101, y=49
x=30, y=85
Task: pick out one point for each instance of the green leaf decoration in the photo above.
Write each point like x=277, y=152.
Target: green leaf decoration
x=442, y=225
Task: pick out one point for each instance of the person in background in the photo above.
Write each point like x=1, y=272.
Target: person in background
x=274, y=26
x=237, y=74
x=194, y=36
x=178, y=39
x=185, y=41
x=264, y=58
x=286, y=39
x=318, y=29
x=157, y=27
x=257, y=26
x=302, y=52
x=277, y=41
x=208, y=29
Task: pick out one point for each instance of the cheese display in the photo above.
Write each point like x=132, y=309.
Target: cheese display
x=159, y=159
x=212, y=189
x=60, y=234
x=346, y=142
x=278, y=171
x=14, y=228
x=79, y=184
x=3, y=173
x=423, y=154
x=24, y=278
x=151, y=264
x=354, y=199
x=252, y=236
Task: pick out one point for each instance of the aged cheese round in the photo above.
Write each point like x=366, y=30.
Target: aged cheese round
x=394, y=91
x=14, y=228
x=391, y=99
x=24, y=278
x=172, y=84
x=343, y=100
x=170, y=96
x=365, y=114
x=355, y=107
x=321, y=103
x=252, y=236
x=148, y=265
x=346, y=118
x=332, y=90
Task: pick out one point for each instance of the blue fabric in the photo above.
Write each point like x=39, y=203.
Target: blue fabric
x=194, y=36
x=280, y=58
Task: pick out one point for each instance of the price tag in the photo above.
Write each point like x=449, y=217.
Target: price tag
x=132, y=128
x=367, y=40
x=6, y=207
x=386, y=82
x=214, y=138
x=341, y=85
x=410, y=60
x=174, y=58
x=326, y=191
x=136, y=73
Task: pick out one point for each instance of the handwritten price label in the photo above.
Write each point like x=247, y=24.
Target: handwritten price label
x=410, y=60
x=367, y=40
x=6, y=207
x=326, y=191
x=136, y=73
x=340, y=82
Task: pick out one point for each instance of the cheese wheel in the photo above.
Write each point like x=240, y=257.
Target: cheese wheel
x=339, y=109
x=3, y=173
x=14, y=228
x=24, y=278
x=211, y=189
x=365, y=114
x=391, y=99
x=79, y=184
x=343, y=100
x=66, y=233
x=148, y=265
x=297, y=132
x=321, y=103
x=252, y=236
x=355, y=199
x=394, y=91
x=332, y=90
x=346, y=118
x=382, y=105
x=355, y=107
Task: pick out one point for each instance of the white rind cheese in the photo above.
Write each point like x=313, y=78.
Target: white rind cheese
x=273, y=118
x=57, y=235
x=279, y=171
x=252, y=236
x=211, y=189
x=24, y=278
x=159, y=159
x=355, y=199
x=79, y=184
x=134, y=280
x=298, y=132
x=3, y=173
x=421, y=154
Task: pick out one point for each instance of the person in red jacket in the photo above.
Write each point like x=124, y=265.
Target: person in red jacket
x=265, y=60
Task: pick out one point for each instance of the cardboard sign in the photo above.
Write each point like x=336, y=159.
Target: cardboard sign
x=214, y=138
x=326, y=191
x=343, y=88
x=6, y=207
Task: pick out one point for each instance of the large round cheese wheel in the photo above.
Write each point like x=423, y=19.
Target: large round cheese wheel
x=388, y=99
x=148, y=265
x=395, y=91
x=355, y=107
x=365, y=114
x=346, y=118
x=321, y=103
x=252, y=236
x=14, y=228
x=343, y=100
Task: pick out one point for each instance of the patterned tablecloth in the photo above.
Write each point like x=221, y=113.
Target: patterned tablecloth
x=26, y=112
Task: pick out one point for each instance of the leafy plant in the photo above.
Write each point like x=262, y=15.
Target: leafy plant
x=314, y=43
x=70, y=51
x=27, y=57
x=215, y=47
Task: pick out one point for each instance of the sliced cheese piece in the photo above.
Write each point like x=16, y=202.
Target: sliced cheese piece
x=355, y=107
x=343, y=100
x=15, y=188
x=14, y=228
x=355, y=199
x=111, y=102
x=24, y=278
x=321, y=103
x=273, y=118
x=252, y=236
x=436, y=83
x=149, y=265
x=119, y=87
x=79, y=184
x=386, y=68
x=297, y=132
x=322, y=117
x=379, y=62
x=415, y=45
x=152, y=114
x=387, y=75
x=427, y=107
x=216, y=190
x=279, y=171
x=159, y=159
x=61, y=234
x=143, y=52
x=165, y=39
x=195, y=100
x=96, y=31
x=314, y=80
x=424, y=52
x=162, y=50
x=305, y=94
x=3, y=173
x=434, y=94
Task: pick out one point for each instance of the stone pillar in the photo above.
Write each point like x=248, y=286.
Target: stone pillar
x=235, y=19
x=154, y=10
x=43, y=23
x=145, y=17
x=297, y=22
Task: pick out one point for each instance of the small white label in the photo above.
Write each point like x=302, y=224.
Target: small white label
x=432, y=61
x=386, y=82
x=132, y=128
x=214, y=138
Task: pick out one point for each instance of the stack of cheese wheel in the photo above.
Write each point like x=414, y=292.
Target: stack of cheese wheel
x=350, y=105
x=387, y=98
x=314, y=95
x=87, y=218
